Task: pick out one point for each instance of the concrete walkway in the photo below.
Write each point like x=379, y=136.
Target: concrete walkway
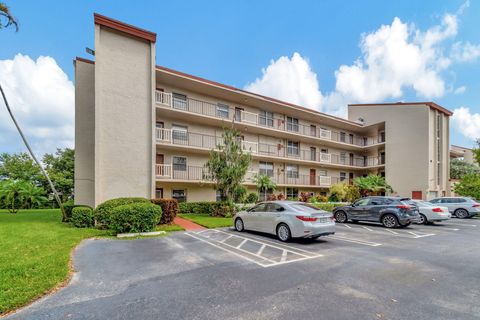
x=187, y=224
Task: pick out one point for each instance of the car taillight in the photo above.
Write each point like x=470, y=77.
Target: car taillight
x=308, y=219
x=476, y=205
x=437, y=210
x=404, y=206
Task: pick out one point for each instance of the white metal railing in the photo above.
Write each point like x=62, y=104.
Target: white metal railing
x=249, y=117
x=326, y=134
x=163, y=170
x=325, y=180
x=325, y=157
x=163, y=135
x=164, y=98
x=250, y=146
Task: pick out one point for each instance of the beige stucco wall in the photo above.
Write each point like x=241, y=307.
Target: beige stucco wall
x=124, y=118
x=84, y=133
x=410, y=147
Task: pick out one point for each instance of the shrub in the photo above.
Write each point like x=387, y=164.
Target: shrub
x=134, y=217
x=239, y=194
x=169, y=209
x=252, y=197
x=82, y=217
x=69, y=206
x=304, y=196
x=320, y=198
x=280, y=196
x=223, y=209
x=329, y=206
x=103, y=211
x=216, y=209
x=271, y=197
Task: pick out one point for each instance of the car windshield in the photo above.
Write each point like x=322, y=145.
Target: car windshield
x=424, y=204
x=304, y=207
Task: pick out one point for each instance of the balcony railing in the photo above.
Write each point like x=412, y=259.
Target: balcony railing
x=200, y=174
x=198, y=140
x=183, y=103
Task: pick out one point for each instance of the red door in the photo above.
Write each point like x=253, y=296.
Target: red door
x=417, y=195
x=312, y=176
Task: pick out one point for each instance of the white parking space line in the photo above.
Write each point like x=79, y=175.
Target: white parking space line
x=402, y=233
x=437, y=228
x=284, y=256
x=367, y=228
x=226, y=238
x=259, y=252
x=416, y=235
x=391, y=231
x=461, y=224
x=345, y=225
x=353, y=240
x=241, y=243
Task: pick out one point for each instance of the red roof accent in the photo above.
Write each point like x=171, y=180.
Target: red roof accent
x=84, y=60
x=255, y=94
x=432, y=105
x=124, y=27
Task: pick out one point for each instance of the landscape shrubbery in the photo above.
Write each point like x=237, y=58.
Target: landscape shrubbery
x=104, y=210
x=82, y=217
x=216, y=209
x=134, y=217
x=169, y=209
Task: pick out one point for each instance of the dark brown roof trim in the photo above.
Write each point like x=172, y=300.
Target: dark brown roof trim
x=432, y=105
x=257, y=95
x=123, y=27
x=84, y=60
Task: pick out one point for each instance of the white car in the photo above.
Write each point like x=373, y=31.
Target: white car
x=429, y=212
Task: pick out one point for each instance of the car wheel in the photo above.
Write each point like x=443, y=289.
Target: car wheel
x=341, y=216
x=405, y=225
x=461, y=213
x=389, y=221
x=283, y=232
x=239, y=225
x=423, y=219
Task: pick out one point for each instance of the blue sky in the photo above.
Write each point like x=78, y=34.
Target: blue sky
x=330, y=47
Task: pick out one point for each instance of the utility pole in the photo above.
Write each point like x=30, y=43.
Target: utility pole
x=55, y=193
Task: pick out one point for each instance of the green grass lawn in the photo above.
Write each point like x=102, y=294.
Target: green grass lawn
x=168, y=227
x=34, y=254
x=208, y=221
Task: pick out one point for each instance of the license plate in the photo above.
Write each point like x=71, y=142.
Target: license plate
x=324, y=220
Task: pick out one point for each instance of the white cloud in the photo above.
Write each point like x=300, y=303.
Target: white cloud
x=467, y=123
x=460, y=90
x=42, y=99
x=291, y=80
x=465, y=52
x=394, y=58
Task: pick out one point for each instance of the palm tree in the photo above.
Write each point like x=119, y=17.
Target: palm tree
x=32, y=195
x=372, y=184
x=10, y=192
x=6, y=15
x=264, y=183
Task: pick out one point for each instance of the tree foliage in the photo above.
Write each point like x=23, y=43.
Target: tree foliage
x=476, y=152
x=6, y=17
x=61, y=169
x=19, y=166
x=264, y=183
x=342, y=191
x=460, y=168
x=469, y=186
x=17, y=194
x=372, y=184
x=228, y=164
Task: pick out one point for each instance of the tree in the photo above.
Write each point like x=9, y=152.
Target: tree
x=32, y=196
x=6, y=18
x=264, y=183
x=372, y=184
x=11, y=194
x=459, y=168
x=61, y=169
x=469, y=186
x=476, y=152
x=342, y=191
x=19, y=166
x=228, y=164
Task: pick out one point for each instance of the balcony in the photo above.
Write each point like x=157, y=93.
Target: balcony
x=209, y=142
x=166, y=172
x=224, y=112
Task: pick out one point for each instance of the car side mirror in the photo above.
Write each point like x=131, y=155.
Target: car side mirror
x=353, y=205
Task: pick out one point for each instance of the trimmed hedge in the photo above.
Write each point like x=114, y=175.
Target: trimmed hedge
x=328, y=206
x=135, y=217
x=69, y=206
x=103, y=211
x=169, y=209
x=252, y=197
x=215, y=209
x=82, y=217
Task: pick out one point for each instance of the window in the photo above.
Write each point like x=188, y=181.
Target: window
x=305, y=207
x=292, y=193
x=313, y=153
x=262, y=207
x=343, y=157
x=350, y=138
x=265, y=193
x=343, y=176
x=313, y=130
x=179, y=133
x=179, y=163
x=362, y=202
x=266, y=168
x=342, y=137
x=218, y=196
x=222, y=111
x=180, y=195
x=292, y=124
x=322, y=173
x=158, y=193
x=293, y=148
x=266, y=118
x=179, y=101
x=274, y=207
x=292, y=171
x=382, y=136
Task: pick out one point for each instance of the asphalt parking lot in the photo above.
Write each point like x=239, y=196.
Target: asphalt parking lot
x=364, y=271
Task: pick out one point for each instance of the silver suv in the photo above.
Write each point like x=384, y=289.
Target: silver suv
x=461, y=207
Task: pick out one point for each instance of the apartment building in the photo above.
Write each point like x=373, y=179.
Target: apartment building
x=463, y=153
x=146, y=130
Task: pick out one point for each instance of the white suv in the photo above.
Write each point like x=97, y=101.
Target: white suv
x=461, y=207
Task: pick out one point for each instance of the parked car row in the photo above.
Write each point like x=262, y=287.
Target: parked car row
x=294, y=219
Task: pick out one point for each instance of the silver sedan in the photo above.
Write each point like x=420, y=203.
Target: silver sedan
x=286, y=219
